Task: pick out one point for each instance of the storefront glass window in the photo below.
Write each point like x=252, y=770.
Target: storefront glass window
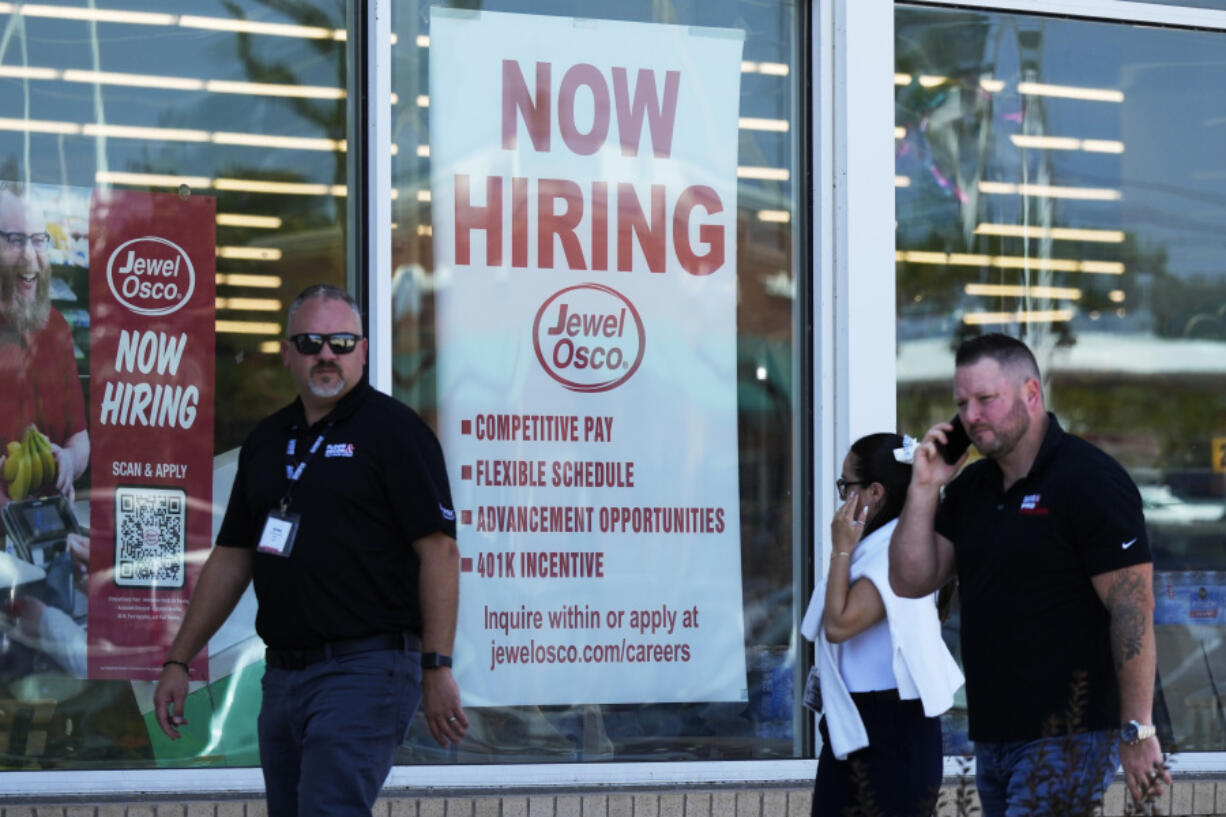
x=1059, y=180
x=220, y=128
x=226, y=125
x=514, y=131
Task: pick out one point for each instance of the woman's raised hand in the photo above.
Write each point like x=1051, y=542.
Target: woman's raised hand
x=847, y=526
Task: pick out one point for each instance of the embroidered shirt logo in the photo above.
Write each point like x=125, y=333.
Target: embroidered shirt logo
x=339, y=450
x=1030, y=505
x=447, y=513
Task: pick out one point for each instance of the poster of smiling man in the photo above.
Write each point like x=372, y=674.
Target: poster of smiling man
x=106, y=429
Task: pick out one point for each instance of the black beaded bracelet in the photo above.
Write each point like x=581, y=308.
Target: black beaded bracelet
x=186, y=668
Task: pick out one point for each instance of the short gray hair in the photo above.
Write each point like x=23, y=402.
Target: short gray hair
x=327, y=292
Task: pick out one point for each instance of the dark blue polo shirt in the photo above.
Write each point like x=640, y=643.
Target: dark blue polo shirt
x=376, y=484
x=1031, y=620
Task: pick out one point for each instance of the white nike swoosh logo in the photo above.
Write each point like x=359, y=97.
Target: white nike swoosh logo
x=1128, y=544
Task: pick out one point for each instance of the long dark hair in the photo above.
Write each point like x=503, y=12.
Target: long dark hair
x=873, y=461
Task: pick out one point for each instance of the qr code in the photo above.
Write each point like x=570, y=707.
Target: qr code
x=150, y=536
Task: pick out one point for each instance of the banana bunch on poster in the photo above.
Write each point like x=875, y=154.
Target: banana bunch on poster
x=29, y=465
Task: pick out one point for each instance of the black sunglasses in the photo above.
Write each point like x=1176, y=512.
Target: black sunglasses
x=842, y=485
x=310, y=343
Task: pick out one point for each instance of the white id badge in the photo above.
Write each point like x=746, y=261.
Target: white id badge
x=279, y=531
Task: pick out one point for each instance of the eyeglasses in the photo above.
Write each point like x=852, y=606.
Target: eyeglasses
x=842, y=484
x=310, y=343
x=18, y=241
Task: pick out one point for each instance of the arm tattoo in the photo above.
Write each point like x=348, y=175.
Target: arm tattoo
x=1126, y=604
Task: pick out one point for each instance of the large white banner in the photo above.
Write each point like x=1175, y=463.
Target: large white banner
x=584, y=196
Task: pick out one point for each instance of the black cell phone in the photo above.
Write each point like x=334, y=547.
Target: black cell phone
x=959, y=441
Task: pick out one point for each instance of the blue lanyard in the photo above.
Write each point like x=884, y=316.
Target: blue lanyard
x=293, y=466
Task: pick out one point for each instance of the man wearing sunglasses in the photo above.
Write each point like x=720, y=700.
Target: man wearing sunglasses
x=38, y=370
x=341, y=513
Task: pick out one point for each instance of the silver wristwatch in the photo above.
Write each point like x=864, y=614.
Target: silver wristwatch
x=1133, y=733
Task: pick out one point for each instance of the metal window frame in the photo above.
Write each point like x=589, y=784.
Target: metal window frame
x=376, y=55
x=1111, y=11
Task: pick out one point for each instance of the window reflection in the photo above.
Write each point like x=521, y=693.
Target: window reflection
x=243, y=101
x=1064, y=188
x=238, y=101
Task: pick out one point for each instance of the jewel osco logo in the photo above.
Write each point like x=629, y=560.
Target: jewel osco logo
x=150, y=275
x=589, y=337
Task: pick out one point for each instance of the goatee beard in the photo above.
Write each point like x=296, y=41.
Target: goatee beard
x=328, y=391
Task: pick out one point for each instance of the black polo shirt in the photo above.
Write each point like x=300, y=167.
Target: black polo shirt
x=375, y=485
x=1031, y=619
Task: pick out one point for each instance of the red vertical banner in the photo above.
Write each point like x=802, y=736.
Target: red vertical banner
x=152, y=307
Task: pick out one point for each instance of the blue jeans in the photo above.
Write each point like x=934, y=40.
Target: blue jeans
x=1060, y=775
x=329, y=732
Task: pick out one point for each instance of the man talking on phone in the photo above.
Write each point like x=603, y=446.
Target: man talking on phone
x=1048, y=542
x=341, y=513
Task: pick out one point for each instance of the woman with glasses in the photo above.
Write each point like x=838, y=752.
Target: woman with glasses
x=885, y=676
